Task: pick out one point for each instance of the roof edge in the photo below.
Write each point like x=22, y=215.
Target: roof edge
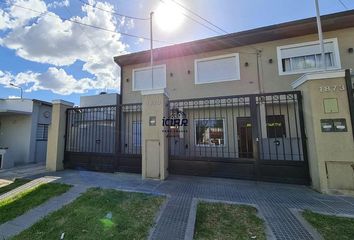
x=330, y=22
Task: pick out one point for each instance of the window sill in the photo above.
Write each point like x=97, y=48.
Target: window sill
x=217, y=81
x=308, y=71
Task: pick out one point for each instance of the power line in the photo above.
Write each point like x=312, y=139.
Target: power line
x=196, y=14
x=224, y=31
x=343, y=4
x=92, y=26
x=236, y=41
x=113, y=12
x=194, y=20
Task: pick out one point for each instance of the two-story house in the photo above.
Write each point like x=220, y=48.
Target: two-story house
x=244, y=118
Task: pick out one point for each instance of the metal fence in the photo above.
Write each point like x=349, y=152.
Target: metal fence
x=349, y=80
x=104, y=138
x=225, y=127
x=211, y=130
x=257, y=136
x=91, y=129
x=130, y=128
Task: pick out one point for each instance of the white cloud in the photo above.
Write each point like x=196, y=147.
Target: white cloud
x=54, y=79
x=13, y=97
x=51, y=40
x=4, y=20
x=13, y=16
x=139, y=41
x=126, y=23
x=61, y=3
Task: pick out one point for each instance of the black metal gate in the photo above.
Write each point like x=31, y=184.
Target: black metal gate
x=104, y=138
x=349, y=80
x=257, y=136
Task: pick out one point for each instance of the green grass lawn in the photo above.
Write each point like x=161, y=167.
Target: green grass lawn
x=11, y=208
x=99, y=214
x=228, y=221
x=331, y=227
x=18, y=182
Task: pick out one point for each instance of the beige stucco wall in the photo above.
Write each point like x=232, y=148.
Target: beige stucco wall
x=181, y=84
x=331, y=154
x=154, y=141
x=56, y=136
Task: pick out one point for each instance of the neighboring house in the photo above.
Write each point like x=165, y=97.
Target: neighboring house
x=103, y=99
x=24, y=131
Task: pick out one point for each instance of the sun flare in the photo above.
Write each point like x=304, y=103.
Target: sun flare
x=168, y=17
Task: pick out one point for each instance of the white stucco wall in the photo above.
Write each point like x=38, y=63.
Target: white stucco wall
x=15, y=134
x=16, y=105
x=19, y=120
x=99, y=100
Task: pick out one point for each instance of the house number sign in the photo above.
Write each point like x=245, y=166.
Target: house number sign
x=333, y=88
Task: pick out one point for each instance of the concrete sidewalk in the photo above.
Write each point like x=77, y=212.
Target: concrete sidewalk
x=22, y=171
x=276, y=202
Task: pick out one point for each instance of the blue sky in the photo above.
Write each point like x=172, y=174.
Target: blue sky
x=56, y=59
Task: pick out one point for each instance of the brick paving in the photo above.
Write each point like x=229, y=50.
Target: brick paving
x=275, y=202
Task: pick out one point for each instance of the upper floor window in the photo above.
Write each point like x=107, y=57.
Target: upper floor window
x=217, y=69
x=144, y=79
x=306, y=57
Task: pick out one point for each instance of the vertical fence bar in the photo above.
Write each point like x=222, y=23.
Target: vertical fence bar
x=350, y=93
x=255, y=135
x=303, y=133
x=289, y=127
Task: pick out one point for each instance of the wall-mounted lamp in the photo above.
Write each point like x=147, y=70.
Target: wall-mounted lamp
x=350, y=50
x=270, y=60
x=171, y=74
x=152, y=121
x=246, y=64
x=127, y=80
x=189, y=71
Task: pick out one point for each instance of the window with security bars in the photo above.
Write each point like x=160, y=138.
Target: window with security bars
x=209, y=132
x=137, y=133
x=42, y=132
x=276, y=126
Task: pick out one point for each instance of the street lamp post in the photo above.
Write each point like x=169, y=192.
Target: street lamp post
x=320, y=35
x=17, y=86
x=151, y=51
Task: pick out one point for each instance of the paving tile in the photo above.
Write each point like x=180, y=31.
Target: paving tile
x=274, y=200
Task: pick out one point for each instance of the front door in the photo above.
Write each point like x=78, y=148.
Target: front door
x=244, y=136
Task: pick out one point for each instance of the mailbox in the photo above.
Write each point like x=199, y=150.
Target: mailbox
x=334, y=125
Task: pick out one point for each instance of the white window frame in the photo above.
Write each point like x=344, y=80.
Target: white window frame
x=209, y=145
x=196, y=61
x=147, y=68
x=336, y=56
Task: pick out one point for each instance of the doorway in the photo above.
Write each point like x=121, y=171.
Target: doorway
x=244, y=137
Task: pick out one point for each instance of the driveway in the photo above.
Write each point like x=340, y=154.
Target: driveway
x=275, y=202
x=22, y=171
